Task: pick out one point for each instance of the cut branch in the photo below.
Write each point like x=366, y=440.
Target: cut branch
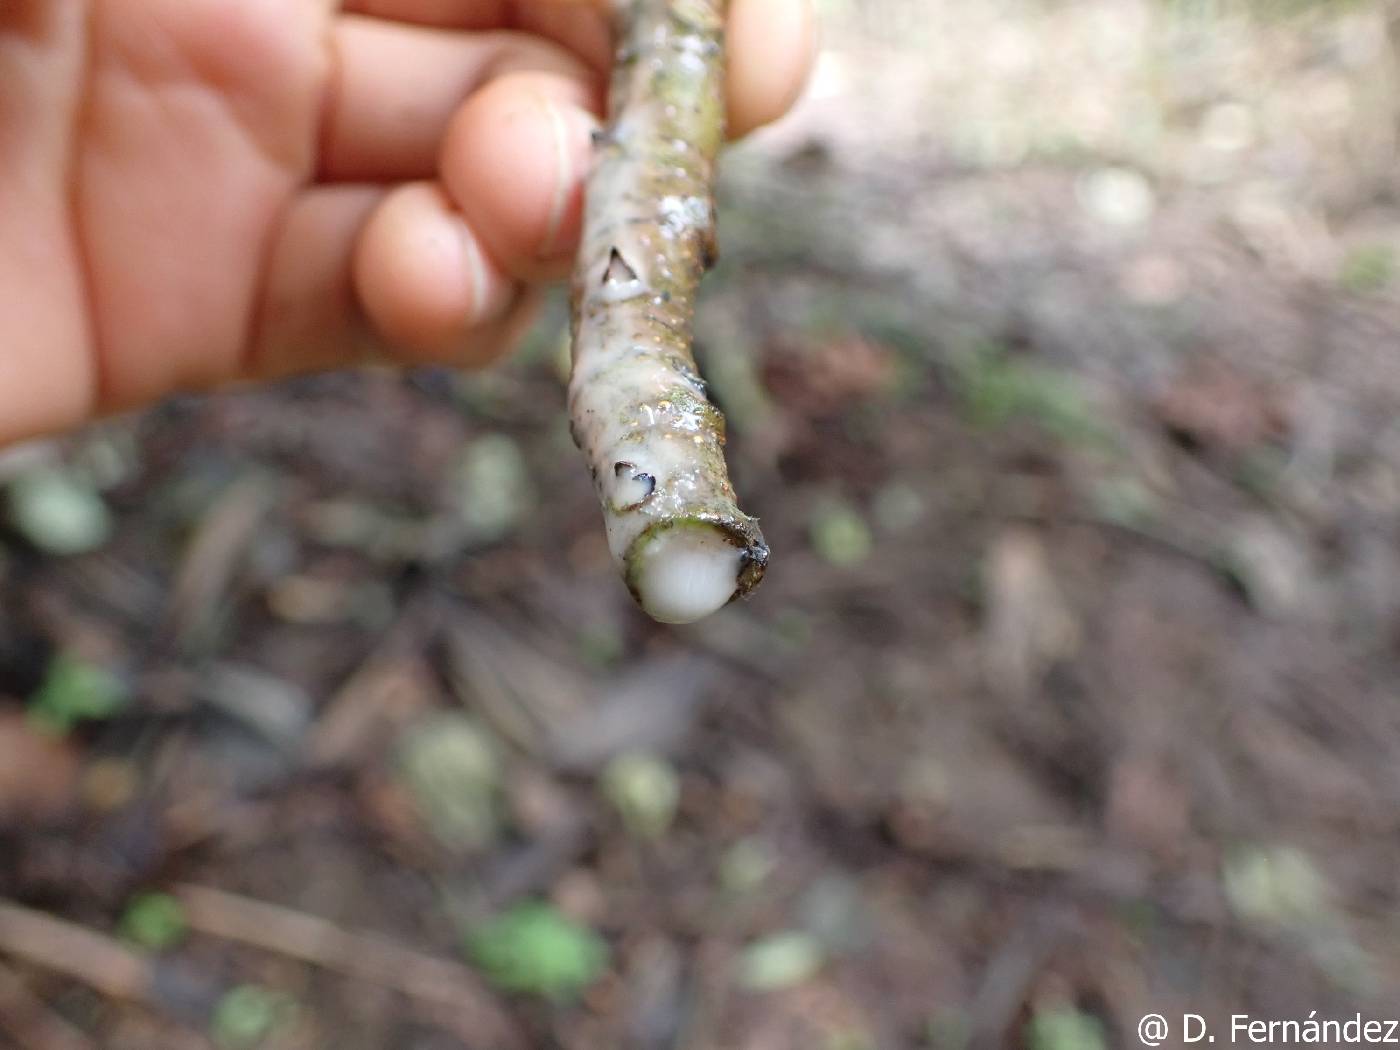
x=654, y=443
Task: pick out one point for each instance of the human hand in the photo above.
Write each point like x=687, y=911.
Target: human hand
x=198, y=192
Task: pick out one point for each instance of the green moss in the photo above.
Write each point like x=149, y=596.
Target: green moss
x=783, y=960
x=450, y=767
x=840, y=535
x=1367, y=269
x=75, y=691
x=490, y=489
x=59, y=511
x=155, y=921
x=534, y=949
x=1275, y=885
x=645, y=790
x=1065, y=1029
x=250, y=1015
x=998, y=389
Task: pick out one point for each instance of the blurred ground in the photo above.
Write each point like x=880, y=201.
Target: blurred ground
x=1059, y=345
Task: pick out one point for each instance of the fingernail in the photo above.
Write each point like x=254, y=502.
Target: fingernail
x=572, y=130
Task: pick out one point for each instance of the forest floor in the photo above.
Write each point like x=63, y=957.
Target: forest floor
x=1060, y=345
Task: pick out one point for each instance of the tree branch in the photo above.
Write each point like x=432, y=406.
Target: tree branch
x=654, y=443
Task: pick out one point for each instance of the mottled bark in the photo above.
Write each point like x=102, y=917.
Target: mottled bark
x=654, y=443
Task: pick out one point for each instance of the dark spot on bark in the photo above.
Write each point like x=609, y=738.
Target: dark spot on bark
x=691, y=377
x=622, y=468
x=709, y=249
x=758, y=553
x=619, y=271
x=753, y=562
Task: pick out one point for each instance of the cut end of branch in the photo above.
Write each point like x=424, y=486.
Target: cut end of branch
x=684, y=572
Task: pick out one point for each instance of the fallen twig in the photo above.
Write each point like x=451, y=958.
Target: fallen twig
x=321, y=942
x=27, y=1020
x=212, y=557
x=63, y=947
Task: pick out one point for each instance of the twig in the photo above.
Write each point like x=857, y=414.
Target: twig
x=389, y=687
x=26, y=1019
x=1011, y=971
x=654, y=443
x=119, y=973
x=212, y=557
x=320, y=942
x=93, y=958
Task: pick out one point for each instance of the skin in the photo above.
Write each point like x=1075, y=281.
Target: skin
x=202, y=192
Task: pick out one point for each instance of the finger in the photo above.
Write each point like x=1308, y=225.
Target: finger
x=449, y=14
x=426, y=283
x=580, y=26
x=396, y=88
x=309, y=316
x=772, y=45
x=461, y=14
x=360, y=273
x=48, y=374
x=513, y=162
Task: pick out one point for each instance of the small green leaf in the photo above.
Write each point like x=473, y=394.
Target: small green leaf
x=59, y=511
x=1367, y=269
x=601, y=644
x=746, y=865
x=1275, y=885
x=780, y=961
x=535, y=949
x=1065, y=1029
x=449, y=765
x=840, y=535
x=249, y=1014
x=491, y=488
x=999, y=388
x=645, y=791
x=155, y=921
x=74, y=691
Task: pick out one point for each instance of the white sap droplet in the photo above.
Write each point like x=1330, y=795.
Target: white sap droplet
x=621, y=291
x=620, y=281
x=679, y=214
x=687, y=573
